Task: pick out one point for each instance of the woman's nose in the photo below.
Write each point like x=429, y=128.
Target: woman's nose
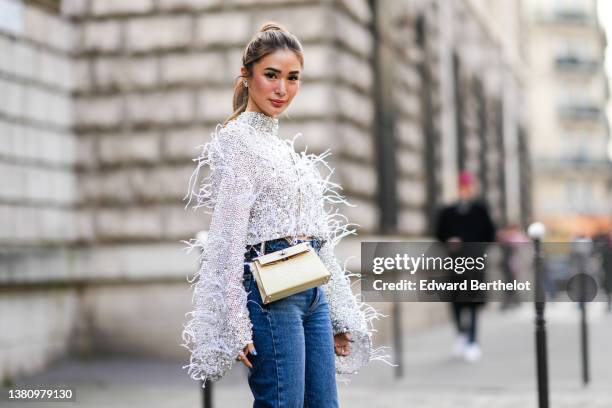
x=281, y=88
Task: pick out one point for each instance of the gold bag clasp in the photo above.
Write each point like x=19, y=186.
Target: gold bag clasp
x=283, y=254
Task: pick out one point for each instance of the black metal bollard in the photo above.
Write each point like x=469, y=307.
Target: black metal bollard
x=584, y=341
x=536, y=233
x=207, y=395
x=583, y=249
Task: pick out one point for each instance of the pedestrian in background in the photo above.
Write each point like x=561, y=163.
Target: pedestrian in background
x=466, y=221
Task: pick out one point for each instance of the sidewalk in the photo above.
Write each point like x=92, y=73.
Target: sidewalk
x=505, y=377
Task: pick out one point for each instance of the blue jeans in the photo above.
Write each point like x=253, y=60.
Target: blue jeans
x=470, y=329
x=295, y=365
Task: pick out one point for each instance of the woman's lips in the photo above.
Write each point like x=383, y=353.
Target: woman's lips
x=277, y=102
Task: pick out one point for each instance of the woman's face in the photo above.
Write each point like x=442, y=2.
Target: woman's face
x=274, y=83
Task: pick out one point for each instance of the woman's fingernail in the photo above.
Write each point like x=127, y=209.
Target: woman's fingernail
x=254, y=352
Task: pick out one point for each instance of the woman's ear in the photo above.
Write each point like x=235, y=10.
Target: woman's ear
x=243, y=72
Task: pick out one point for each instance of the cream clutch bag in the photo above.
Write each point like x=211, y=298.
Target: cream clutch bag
x=291, y=270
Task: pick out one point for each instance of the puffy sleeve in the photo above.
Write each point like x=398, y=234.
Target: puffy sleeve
x=219, y=327
x=348, y=313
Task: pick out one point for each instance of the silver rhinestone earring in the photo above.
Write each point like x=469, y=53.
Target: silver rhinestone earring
x=245, y=83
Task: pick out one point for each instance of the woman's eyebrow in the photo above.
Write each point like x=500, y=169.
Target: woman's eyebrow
x=278, y=71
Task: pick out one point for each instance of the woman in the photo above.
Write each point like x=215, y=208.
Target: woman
x=261, y=191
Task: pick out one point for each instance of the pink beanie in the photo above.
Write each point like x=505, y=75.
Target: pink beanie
x=466, y=178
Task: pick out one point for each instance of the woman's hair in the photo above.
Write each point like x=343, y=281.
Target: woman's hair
x=270, y=37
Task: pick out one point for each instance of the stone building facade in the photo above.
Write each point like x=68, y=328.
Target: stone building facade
x=405, y=93
x=573, y=171
x=38, y=188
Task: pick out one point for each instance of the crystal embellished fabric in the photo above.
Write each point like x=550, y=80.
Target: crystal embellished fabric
x=258, y=188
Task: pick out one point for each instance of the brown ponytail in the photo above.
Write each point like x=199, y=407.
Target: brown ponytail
x=270, y=37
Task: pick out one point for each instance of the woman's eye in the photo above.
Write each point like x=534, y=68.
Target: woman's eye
x=294, y=78
x=270, y=75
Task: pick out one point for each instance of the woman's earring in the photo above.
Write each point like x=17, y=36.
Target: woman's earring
x=244, y=82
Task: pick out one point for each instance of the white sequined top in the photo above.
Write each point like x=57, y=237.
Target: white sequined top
x=258, y=188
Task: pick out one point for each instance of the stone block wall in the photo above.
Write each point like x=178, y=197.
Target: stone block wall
x=37, y=146
x=38, y=187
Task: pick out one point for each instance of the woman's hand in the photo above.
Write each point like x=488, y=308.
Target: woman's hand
x=249, y=348
x=342, y=344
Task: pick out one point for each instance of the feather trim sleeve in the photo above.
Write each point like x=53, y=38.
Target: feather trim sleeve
x=219, y=327
x=348, y=313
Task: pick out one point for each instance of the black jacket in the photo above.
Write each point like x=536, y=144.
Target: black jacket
x=469, y=222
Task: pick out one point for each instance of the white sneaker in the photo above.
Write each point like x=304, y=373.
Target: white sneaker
x=459, y=346
x=472, y=352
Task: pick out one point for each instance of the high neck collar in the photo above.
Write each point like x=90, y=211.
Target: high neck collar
x=260, y=121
